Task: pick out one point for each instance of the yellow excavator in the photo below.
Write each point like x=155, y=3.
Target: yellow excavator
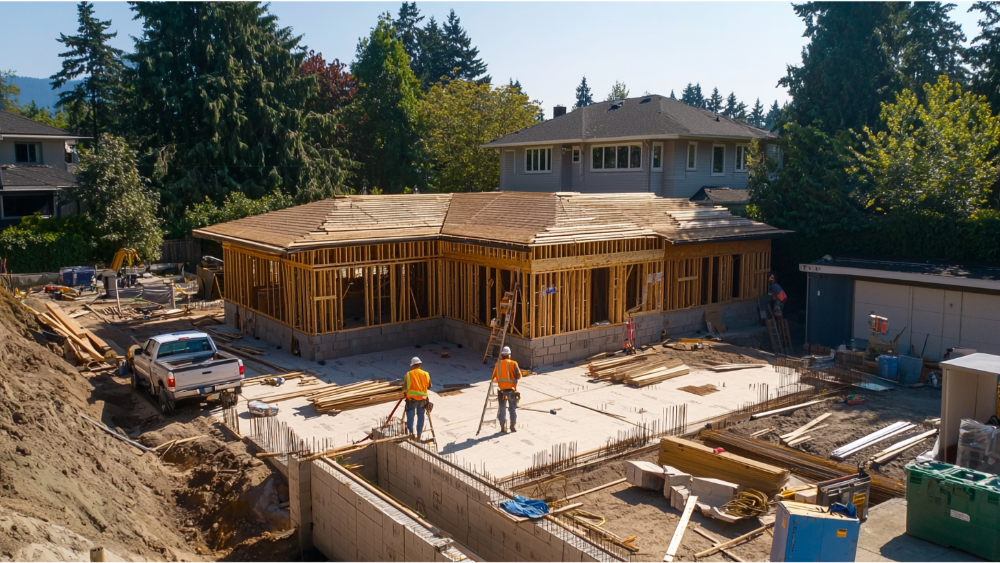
x=125, y=257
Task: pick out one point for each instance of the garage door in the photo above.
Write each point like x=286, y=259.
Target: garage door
x=934, y=319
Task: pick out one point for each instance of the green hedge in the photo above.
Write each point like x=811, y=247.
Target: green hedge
x=975, y=240
x=31, y=252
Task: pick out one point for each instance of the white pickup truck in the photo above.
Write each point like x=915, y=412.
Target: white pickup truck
x=183, y=365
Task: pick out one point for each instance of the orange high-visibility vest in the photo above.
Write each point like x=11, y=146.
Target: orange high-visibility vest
x=503, y=374
x=416, y=383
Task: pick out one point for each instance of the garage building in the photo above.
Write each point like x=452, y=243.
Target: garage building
x=942, y=305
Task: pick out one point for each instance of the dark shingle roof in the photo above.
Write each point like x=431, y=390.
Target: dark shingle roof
x=11, y=124
x=35, y=175
x=649, y=116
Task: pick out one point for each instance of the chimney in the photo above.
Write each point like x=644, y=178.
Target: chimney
x=558, y=111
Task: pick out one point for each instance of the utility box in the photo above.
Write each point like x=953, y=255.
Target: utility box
x=954, y=507
x=968, y=390
x=806, y=532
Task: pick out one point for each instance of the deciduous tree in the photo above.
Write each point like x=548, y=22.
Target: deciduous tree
x=336, y=86
x=459, y=118
x=618, y=92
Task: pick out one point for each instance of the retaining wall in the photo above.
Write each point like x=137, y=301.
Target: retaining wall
x=530, y=353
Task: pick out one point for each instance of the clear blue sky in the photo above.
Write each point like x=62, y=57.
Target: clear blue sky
x=650, y=46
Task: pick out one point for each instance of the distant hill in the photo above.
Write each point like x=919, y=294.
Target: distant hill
x=40, y=90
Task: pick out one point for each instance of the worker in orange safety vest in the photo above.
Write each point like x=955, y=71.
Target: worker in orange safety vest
x=505, y=374
x=778, y=296
x=415, y=385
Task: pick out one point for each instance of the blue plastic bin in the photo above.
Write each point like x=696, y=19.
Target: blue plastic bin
x=75, y=276
x=888, y=367
x=909, y=369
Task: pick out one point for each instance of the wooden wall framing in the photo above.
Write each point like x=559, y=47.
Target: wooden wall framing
x=334, y=289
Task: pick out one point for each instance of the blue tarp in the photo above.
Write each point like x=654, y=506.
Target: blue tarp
x=525, y=507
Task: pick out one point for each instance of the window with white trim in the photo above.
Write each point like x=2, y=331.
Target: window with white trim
x=657, y=156
x=616, y=157
x=577, y=153
x=28, y=153
x=742, y=151
x=538, y=160
x=692, y=156
x=718, y=160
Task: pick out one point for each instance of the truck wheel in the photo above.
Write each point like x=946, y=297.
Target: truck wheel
x=166, y=406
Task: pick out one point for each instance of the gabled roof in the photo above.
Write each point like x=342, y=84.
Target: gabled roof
x=633, y=118
x=12, y=124
x=518, y=219
x=35, y=177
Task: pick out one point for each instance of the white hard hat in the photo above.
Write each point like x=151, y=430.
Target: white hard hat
x=415, y=361
x=505, y=351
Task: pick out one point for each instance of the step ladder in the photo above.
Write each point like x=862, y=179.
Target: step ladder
x=777, y=330
x=500, y=324
x=498, y=334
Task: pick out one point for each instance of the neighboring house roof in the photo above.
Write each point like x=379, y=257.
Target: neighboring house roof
x=35, y=177
x=938, y=273
x=518, y=219
x=12, y=124
x=633, y=118
x=721, y=196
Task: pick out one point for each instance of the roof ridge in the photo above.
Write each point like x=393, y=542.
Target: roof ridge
x=31, y=121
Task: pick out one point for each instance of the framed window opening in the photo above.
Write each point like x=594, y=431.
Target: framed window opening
x=27, y=153
x=692, y=156
x=742, y=152
x=718, y=160
x=616, y=157
x=656, y=158
x=24, y=205
x=538, y=160
x=577, y=154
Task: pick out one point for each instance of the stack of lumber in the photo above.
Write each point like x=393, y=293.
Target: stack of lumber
x=333, y=398
x=734, y=367
x=286, y=376
x=357, y=395
x=638, y=370
x=800, y=435
x=89, y=349
x=701, y=461
x=899, y=447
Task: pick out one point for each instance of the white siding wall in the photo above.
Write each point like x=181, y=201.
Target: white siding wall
x=943, y=318
x=53, y=152
x=687, y=182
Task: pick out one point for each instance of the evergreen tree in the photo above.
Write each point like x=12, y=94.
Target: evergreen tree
x=772, y=116
x=383, y=121
x=984, y=54
x=714, y=103
x=618, y=92
x=688, y=95
x=699, y=99
x=672, y=96
x=515, y=83
x=408, y=30
x=220, y=106
x=732, y=109
x=460, y=54
x=90, y=56
x=847, y=69
x=930, y=45
x=431, y=65
x=583, y=95
x=756, y=117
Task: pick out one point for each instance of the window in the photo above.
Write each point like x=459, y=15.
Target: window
x=718, y=160
x=774, y=151
x=616, y=157
x=538, y=160
x=184, y=346
x=24, y=205
x=658, y=156
x=692, y=159
x=741, y=158
x=577, y=154
x=26, y=152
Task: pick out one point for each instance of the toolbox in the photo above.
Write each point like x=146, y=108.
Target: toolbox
x=954, y=507
x=807, y=532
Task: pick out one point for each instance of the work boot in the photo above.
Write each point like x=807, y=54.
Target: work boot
x=513, y=427
x=503, y=428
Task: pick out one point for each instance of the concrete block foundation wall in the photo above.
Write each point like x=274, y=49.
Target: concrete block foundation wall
x=530, y=353
x=458, y=504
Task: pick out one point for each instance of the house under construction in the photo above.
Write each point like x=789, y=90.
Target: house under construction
x=359, y=274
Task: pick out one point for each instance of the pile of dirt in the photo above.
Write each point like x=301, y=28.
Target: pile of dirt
x=67, y=486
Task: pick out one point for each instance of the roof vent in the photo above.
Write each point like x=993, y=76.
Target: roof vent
x=645, y=100
x=616, y=104
x=717, y=118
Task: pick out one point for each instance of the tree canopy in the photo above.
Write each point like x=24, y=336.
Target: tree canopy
x=583, y=94
x=618, y=92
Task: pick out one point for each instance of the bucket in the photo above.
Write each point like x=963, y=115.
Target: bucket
x=888, y=366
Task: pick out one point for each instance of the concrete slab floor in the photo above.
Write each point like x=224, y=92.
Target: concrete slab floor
x=456, y=416
x=883, y=538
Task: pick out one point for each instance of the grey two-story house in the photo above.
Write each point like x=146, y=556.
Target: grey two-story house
x=36, y=162
x=650, y=144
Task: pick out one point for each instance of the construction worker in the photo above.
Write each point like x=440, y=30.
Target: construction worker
x=415, y=384
x=778, y=296
x=505, y=374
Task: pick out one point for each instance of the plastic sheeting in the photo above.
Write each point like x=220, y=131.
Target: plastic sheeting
x=979, y=446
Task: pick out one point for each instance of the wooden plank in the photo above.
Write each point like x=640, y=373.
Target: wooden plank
x=899, y=447
x=675, y=541
x=715, y=541
x=595, y=489
x=732, y=542
x=802, y=429
x=69, y=324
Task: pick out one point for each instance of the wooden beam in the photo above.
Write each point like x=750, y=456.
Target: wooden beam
x=595, y=489
x=732, y=542
x=675, y=541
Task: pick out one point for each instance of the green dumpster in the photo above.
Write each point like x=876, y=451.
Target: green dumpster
x=954, y=507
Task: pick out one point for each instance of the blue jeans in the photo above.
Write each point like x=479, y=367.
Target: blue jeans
x=415, y=408
x=507, y=403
